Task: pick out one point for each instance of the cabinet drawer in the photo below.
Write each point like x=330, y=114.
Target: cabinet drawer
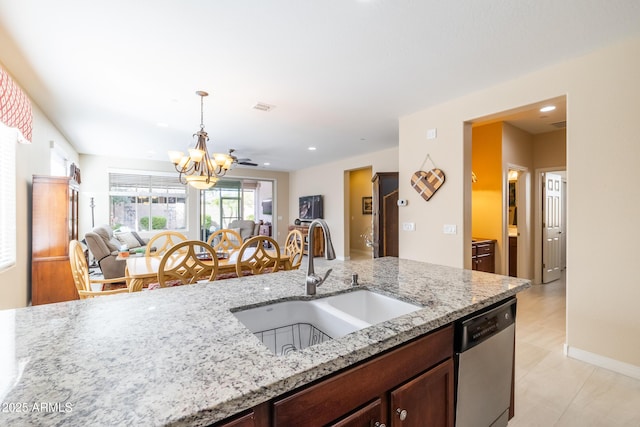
x=483, y=249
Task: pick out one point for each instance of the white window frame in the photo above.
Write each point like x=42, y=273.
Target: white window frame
x=184, y=192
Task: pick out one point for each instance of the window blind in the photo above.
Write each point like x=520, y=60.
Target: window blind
x=8, y=140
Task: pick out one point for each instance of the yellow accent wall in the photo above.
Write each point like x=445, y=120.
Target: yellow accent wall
x=486, y=196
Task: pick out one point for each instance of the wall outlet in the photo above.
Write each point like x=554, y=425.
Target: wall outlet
x=408, y=226
x=449, y=229
x=432, y=133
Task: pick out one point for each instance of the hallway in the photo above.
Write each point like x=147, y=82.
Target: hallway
x=554, y=390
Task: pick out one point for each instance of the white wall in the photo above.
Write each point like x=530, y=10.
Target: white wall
x=332, y=181
x=602, y=153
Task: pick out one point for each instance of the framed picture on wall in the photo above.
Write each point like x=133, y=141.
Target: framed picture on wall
x=367, y=205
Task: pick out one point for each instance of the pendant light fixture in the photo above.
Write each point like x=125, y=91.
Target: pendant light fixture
x=198, y=169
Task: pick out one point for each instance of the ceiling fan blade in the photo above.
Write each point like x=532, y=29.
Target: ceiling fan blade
x=247, y=163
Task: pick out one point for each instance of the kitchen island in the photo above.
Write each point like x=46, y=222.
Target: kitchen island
x=178, y=356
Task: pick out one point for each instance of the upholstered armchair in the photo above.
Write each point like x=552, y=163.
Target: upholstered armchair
x=246, y=228
x=104, y=246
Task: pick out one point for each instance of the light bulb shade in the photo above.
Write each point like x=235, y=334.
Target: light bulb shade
x=200, y=181
x=221, y=159
x=175, y=156
x=196, y=154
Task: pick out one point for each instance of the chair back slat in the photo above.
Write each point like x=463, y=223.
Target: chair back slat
x=165, y=240
x=255, y=258
x=294, y=248
x=186, y=263
x=225, y=240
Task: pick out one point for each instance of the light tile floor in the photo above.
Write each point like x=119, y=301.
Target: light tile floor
x=555, y=390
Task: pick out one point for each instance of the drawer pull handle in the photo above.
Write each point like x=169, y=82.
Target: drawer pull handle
x=402, y=413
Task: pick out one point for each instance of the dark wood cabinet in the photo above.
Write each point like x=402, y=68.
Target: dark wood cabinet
x=385, y=214
x=483, y=256
x=425, y=400
x=318, y=239
x=54, y=223
x=418, y=374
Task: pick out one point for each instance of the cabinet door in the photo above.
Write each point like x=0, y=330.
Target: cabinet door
x=363, y=417
x=425, y=401
x=485, y=263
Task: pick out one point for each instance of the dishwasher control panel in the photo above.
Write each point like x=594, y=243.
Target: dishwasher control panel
x=476, y=328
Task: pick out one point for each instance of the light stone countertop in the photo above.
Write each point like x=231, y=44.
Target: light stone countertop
x=178, y=356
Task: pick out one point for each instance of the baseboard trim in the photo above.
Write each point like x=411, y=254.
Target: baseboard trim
x=603, y=362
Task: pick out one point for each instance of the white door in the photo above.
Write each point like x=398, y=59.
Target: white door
x=552, y=228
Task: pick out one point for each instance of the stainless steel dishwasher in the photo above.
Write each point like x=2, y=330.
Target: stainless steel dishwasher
x=484, y=346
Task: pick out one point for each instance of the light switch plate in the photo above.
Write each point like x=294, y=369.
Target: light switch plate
x=449, y=229
x=408, y=226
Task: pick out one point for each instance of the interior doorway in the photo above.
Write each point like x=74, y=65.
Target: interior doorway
x=518, y=221
x=360, y=227
x=525, y=140
x=551, y=225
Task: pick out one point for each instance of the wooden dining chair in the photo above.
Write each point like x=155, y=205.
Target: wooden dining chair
x=186, y=263
x=225, y=240
x=81, y=278
x=255, y=258
x=166, y=240
x=294, y=248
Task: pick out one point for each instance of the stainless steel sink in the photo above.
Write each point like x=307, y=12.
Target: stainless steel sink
x=294, y=325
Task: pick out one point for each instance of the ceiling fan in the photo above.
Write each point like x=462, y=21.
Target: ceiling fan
x=237, y=161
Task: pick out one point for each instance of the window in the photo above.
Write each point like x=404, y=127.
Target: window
x=8, y=141
x=147, y=201
x=59, y=161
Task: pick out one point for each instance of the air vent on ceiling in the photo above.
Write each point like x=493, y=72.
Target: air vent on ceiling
x=263, y=107
x=560, y=125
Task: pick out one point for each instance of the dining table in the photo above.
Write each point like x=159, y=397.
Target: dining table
x=142, y=270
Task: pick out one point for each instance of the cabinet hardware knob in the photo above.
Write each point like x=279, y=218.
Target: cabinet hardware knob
x=402, y=413
x=378, y=424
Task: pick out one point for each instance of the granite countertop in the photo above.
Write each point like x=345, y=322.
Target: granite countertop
x=178, y=356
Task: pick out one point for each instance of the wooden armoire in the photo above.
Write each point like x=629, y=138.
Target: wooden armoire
x=54, y=223
x=385, y=214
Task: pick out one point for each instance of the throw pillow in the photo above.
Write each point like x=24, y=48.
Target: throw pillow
x=128, y=239
x=137, y=236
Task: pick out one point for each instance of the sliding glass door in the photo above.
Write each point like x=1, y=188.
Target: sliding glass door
x=232, y=199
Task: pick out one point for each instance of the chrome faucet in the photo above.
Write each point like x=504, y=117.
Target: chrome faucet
x=313, y=280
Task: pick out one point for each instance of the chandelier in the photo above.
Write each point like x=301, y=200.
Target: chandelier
x=199, y=169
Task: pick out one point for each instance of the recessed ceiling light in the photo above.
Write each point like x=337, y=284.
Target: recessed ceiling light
x=547, y=108
x=162, y=125
x=267, y=164
x=312, y=148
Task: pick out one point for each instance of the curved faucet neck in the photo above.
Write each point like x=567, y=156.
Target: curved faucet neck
x=312, y=279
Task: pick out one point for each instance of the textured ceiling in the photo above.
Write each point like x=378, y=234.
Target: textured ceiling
x=339, y=72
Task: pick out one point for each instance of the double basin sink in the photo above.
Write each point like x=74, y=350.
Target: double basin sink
x=294, y=325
